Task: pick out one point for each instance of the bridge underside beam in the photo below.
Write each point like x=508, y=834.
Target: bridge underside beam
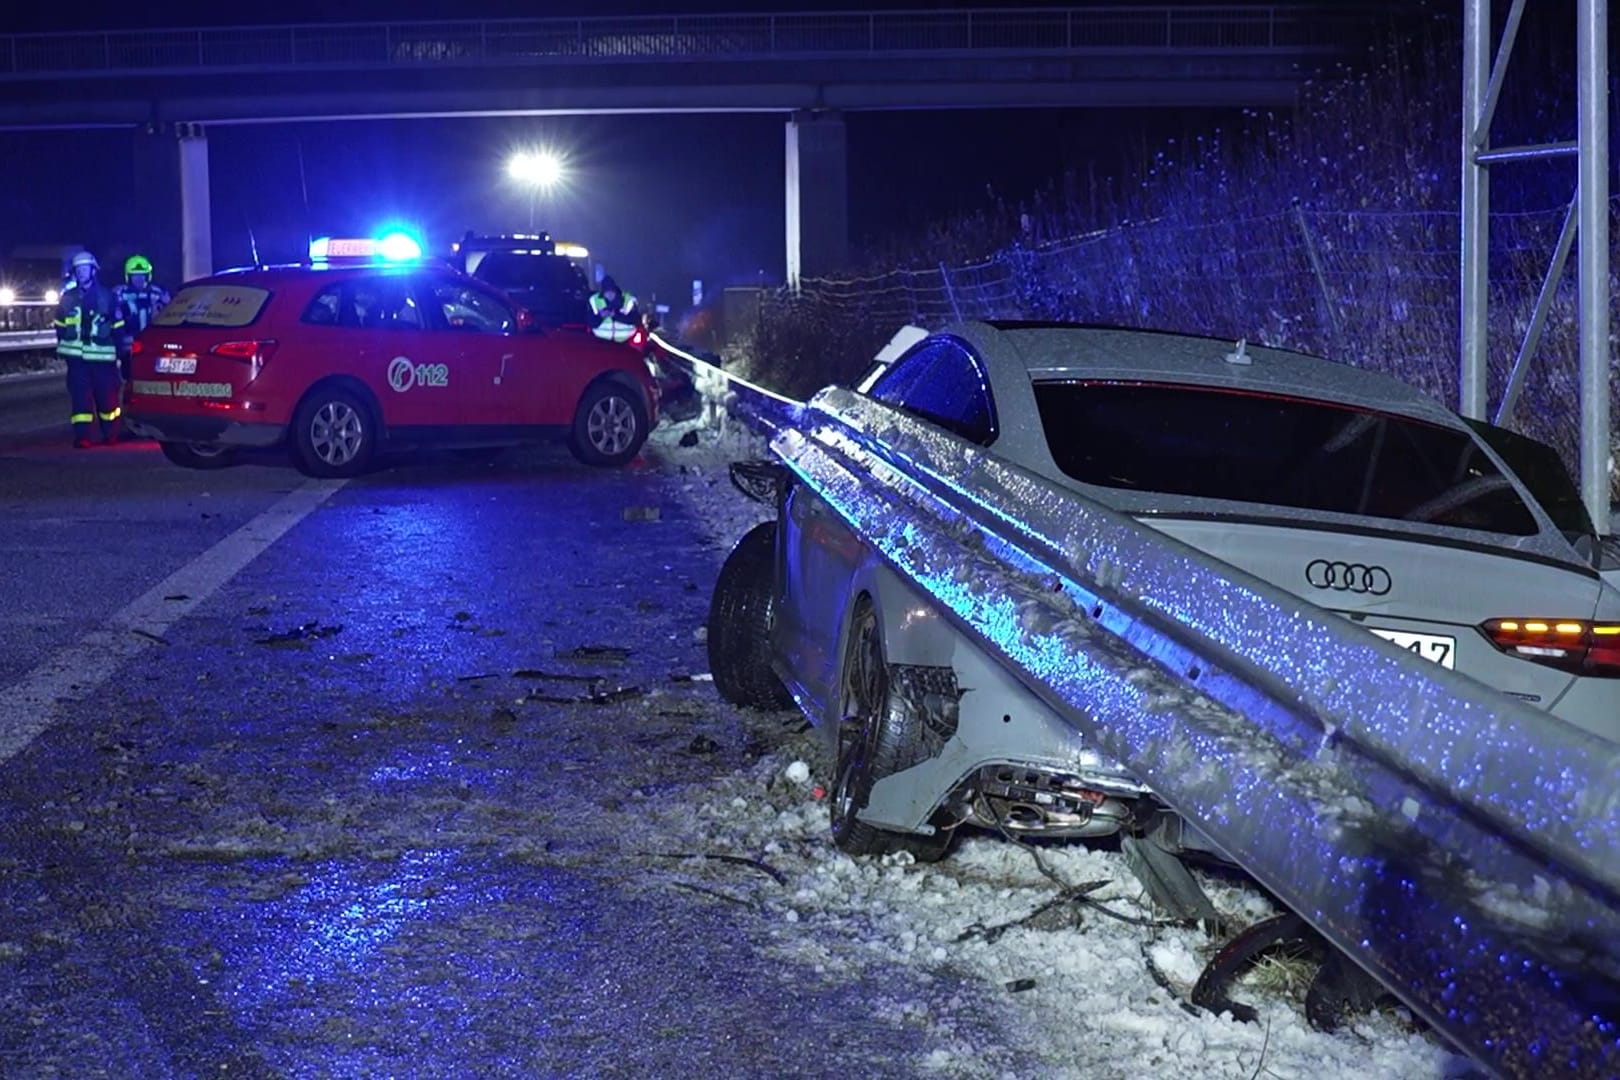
x=509, y=93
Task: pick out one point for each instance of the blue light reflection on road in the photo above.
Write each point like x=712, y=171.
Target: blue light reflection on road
x=334, y=924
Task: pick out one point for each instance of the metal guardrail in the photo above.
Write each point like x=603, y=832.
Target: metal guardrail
x=1460, y=846
x=677, y=37
x=25, y=340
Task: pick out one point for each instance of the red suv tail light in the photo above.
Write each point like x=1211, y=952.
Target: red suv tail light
x=254, y=352
x=245, y=350
x=136, y=348
x=1576, y=645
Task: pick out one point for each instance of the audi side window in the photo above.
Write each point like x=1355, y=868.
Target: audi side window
x=468, y=308
x=1542, y=472
x=1204, y=442
x=385, y=302
x=326, y=308
x=945, y=384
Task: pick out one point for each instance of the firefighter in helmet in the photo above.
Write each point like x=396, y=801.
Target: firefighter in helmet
x=89, y=323
x=613, y=313
x=141, y=298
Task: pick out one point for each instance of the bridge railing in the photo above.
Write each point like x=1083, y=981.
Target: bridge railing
x=675, y=37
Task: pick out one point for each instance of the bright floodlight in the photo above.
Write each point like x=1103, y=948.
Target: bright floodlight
x=8, y=295
x=541, y=169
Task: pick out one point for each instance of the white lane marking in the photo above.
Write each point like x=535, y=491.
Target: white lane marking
x=31, y=705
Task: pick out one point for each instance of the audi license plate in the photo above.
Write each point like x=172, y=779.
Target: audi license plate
x=1437, y=647
x=177, y=365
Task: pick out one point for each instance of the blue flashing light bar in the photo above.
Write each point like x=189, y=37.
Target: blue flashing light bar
x=398, y=246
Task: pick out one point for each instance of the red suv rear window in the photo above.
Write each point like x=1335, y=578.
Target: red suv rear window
x=213, y=305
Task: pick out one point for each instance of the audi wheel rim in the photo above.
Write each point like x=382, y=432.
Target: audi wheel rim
x=851, y=767
x=611, y=425
x=866, y=691
x=337, y=432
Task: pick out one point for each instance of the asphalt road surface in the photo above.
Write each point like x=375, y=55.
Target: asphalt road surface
x=310, y=778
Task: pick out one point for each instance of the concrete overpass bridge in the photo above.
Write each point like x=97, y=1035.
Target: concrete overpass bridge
x=171, y=85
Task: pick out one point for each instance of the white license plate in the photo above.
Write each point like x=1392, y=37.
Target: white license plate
x=1436, y=647
x=177, y=365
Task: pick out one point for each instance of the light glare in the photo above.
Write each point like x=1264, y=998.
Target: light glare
x=541, y=169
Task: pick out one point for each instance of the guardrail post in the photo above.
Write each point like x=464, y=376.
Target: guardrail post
x=1316, y=269
x=970, y=29
x=773, y=33
x=950, y=293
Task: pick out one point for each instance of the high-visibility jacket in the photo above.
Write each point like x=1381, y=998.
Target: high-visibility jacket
x=88, y=323
x=139, y=305
x=619, y=324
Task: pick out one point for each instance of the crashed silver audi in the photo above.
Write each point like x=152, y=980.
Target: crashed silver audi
x=1466, y=544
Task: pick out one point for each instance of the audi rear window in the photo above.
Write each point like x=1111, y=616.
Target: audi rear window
x=213, y=305
x=1213, y=443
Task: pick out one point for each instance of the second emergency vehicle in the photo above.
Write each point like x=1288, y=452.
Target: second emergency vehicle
x=368, y=346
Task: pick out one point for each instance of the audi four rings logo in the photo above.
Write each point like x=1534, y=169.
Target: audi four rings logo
x=1348, y=577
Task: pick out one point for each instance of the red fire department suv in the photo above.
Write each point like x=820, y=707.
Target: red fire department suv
x=352, y=352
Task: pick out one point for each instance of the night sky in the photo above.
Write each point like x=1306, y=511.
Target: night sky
x=659, y=199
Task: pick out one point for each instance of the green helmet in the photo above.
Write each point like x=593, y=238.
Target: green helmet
x=137, y=264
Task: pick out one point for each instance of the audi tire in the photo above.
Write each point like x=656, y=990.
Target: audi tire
x=882, y=735
x=334, y=434
x=741, y=613
x=610, y=424
x=198, y=455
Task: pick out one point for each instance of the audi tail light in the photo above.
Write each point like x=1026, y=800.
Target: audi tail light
x=136, y=348
x=1576, y=645
x=244, y=350
x=253, y=352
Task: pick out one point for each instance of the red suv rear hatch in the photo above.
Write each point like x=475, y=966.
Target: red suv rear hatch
x=202, y=350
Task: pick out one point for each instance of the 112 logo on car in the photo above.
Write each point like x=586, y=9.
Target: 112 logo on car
x=403, y=375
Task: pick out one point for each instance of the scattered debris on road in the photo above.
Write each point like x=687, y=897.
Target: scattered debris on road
x=612, y=654
x=299, y=635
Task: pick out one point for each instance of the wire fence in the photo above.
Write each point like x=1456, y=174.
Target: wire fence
x=1379, y=289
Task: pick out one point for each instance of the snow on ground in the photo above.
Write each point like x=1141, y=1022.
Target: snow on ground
x=1076, y=985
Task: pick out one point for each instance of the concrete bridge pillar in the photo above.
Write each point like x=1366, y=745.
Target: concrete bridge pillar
x=173, y=224
x=817, y=195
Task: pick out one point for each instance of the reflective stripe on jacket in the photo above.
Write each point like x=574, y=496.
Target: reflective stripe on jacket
x=139, y=305
x=88, y=322
x=627, y=304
